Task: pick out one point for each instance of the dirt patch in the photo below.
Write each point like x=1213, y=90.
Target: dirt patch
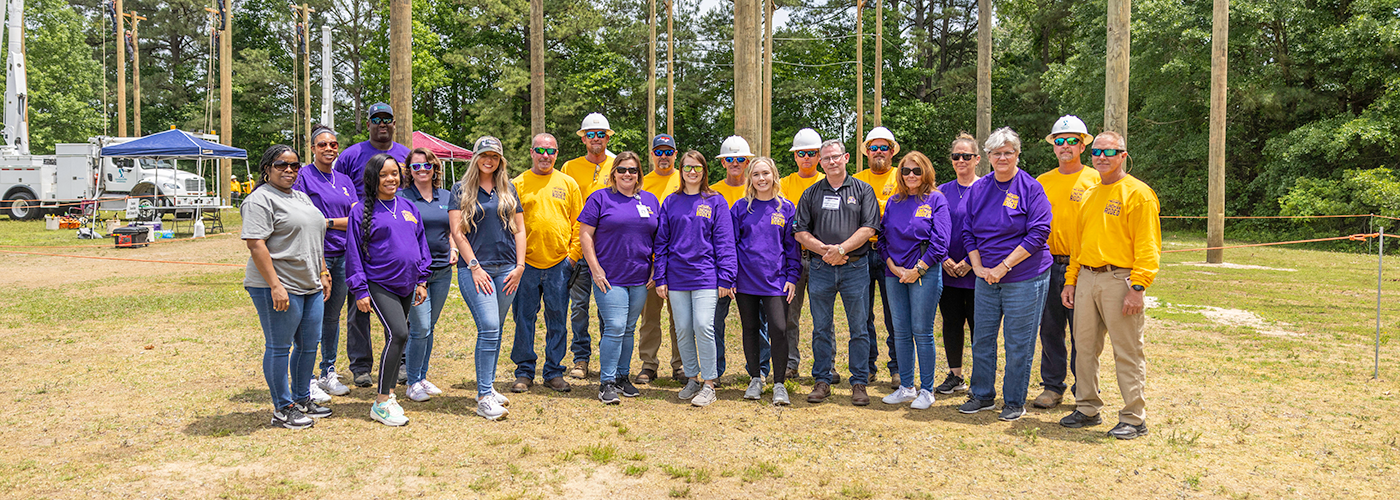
x=1229, y=317
x=39, y=271
x=1229, y=265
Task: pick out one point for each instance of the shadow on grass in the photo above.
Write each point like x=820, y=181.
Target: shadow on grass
x=231, y=424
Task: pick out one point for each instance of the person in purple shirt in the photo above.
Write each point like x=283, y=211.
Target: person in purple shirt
x=770, y=265
x=387, y=270
x=358, y=346
x=694, y=267
x=617, y=228
x=1005, y=236
x=332, y=193
x=956, y=302
x=915, y=238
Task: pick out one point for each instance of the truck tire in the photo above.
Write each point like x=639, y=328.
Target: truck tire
x=22, y=206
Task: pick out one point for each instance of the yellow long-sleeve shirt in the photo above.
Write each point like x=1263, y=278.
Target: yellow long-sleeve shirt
x=552, y=204
x=793, y=185
x=662, y=186
x=1118, y=225
x=588, y=175
x=731, y=194
x=1066, y=192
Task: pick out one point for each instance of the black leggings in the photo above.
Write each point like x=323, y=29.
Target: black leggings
x=393, y=314
x=956, y=305
x=775, y=309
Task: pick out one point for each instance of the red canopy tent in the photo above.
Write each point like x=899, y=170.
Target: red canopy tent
x=443, y=149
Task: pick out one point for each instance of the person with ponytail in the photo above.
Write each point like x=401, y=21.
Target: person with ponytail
x=433, y=203
x=488, y=228
x=387, y=269
x=286, y=278
x=333, y=193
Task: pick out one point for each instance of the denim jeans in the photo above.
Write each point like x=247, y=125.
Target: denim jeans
x=1019, y=305
x=877, y=280
x=330, y=320
x=422, y=320
x=297, y=329
x=851, y=280
x=694, y=314
x=551, y=285
x=1053, y=321
x=489, y=311
x=912, y=307
x=618, y=309
x=580, y=285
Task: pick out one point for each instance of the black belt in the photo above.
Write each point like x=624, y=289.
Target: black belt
x=1061, y=259
x=1104, y=268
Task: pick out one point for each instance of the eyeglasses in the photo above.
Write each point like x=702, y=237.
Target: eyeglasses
x=734, y=159
x=330, y=144
x=546, y=151
x=663, y=152
x=878, y=147
x=806, y=154
x=286, y=165
x=832, y=158
x=691, y=168
x=1061, y=141
x=919, y=171
x=627, y=170
x=419, y=167
x=379, y=120
x=1107, y=152
x=597, y=134
x=1004, y=154
x=962, y=156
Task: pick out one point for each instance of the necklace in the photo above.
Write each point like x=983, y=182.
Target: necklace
x=997, y=183
x=328, y=177
x=392, y=211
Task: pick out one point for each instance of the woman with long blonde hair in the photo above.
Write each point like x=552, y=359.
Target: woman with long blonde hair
x=769, y=268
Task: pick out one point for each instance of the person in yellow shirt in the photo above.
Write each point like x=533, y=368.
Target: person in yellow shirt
x=1064, y=187
x=661, y=182
x=552, y=202
x=585, y=171
x=880, y=148
x=1114, y=257
x=805, y=148
x=734, y=155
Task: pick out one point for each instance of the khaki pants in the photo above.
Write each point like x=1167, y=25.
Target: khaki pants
x=1098, y=309
x=649, y=334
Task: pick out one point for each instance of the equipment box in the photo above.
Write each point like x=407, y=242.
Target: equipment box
x=130, y=237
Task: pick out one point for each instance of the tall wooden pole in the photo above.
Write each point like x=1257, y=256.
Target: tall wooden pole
x=1219, y=71
x=670, y=71
x=306, y=79
x=651, y=77
x=401, y=68
x=984, y=80
x=768, y=9
x=746, y=71
x=121, y=70
x=537, y=67
x=879, y=56
x=1115, y=98
x=226, y=99
x=135, y=72
x=860, y=82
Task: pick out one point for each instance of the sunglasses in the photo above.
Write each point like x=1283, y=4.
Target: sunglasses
x=919, y=171
x=962, y=156
x=546, y=151
x=806, y=154
x=1061, y=141
x=332, y=145
x=627, y=170
x=734, y=159
x=419, y=167
x=601, y=134
x=691, y=168
x=288, y=166
x=378, y=120
x=1107, y=152
x=878, y=147
x=663, y=152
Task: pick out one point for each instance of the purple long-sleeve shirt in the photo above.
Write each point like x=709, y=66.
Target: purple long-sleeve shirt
x=768, y=255
x=695, y=243
x=957, y=214
x=916, y=228
x=332, y=194
x=623, y=234
x=1004, y=215
x=352, y=160
x=397, y=249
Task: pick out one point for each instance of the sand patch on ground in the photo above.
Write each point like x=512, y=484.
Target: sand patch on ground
x=1228, y=317
x=1229, y=265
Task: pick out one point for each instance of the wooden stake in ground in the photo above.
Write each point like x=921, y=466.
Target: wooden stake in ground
x=860, y=82
x=536, y=67
x=121, y=69
x=746, y=70
x=401, y=69
x=226, y=100
x=1219, y=71
x=135, y=72
x=984, y=80
x=1115, y=95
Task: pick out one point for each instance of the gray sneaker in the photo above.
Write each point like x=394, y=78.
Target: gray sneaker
x=755, y=390
x=1011, y=413
x=780, y=396
x=705, y=397
x=691, y=389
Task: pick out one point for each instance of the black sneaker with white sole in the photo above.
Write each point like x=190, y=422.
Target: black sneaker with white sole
x=1126, y=430
x=291, y=418
x=974, y=405
x=607, y=393
x=1076, y=420
x=311, y=409
x=1011, y=413
x=626, y=388
x=951, y=384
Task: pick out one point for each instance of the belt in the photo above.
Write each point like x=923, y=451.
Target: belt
x=1103, y=268
x=1061, y=259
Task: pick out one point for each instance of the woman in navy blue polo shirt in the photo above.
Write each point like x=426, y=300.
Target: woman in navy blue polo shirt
x=431, y=200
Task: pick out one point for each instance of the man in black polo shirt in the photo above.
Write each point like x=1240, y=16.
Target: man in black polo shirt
x=834, y=222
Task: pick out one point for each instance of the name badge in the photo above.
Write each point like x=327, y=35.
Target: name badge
x=643, y=211
x=831, y=202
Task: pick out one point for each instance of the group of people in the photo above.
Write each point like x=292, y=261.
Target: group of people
x=372, y=228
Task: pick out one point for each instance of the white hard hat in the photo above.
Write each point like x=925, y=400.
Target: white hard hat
x=734, y=146
x=882, y=133
x=806, y=139
x=594, y=121
x=1069, y=124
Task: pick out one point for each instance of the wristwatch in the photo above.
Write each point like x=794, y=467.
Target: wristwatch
x=921, y=270
x=473, y=264
x=1138, y=288
x=840, y=249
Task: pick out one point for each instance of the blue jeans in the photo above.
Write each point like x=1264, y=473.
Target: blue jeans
x=1019, y=305
x=489, y=311
x=852, y=281
x=297, y=329
x=422, y=320
x=877, y=280
x=551, y=285
x=693, y=312
x=618, y=309
x=330, y=320
x=912, y=308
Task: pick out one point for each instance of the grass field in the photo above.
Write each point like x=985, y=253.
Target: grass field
x=129, y=379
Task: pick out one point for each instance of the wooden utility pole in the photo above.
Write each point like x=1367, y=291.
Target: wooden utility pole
x=327, y=79
x=135, y=72
x=879, y=56
x=651, y=78
x=984, y=80
x=1219, y=71
x=537, y=67
x=226, y=98
x=121, y=69
x=1115, y=98
x=401, y=68
x=301, y=135
x=670, y=71
x=860, y=82
x=768, y=9
x=746, y=71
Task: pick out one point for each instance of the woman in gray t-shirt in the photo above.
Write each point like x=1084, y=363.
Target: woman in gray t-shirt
x=285, y=277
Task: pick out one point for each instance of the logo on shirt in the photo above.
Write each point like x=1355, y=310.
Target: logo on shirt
x=345, y=190
x=559, y=193
x=408, y=216
x=1077, y=194
x=777, y=219
x=1012, y=201
x=1113, y=207
x=851, y=200
x=888, y=189
x=703, y=211
x=923, y=212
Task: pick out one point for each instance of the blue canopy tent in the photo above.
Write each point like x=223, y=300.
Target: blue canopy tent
x=174, y=145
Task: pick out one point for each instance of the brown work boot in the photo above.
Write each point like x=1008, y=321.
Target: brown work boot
x=646, y=376
x=791, y=373
x=558, y=384
x=894, y=381
x=820, y=392
x=580, y=370
x=521, y=384
x=858, y=396
x=1048, y=399
x=678, y=375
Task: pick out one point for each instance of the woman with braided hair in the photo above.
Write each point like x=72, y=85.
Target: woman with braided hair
x=387, y=270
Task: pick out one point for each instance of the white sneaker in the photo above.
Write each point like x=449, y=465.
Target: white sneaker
x=500, y=398
x=704, y=397
x=432, y=389
x=901, y=395
x=331, y=384
x=389, y=412
x=490, y=409
x=924, y=400
x=317, y=395
x=418, y=392
x=755, y=390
